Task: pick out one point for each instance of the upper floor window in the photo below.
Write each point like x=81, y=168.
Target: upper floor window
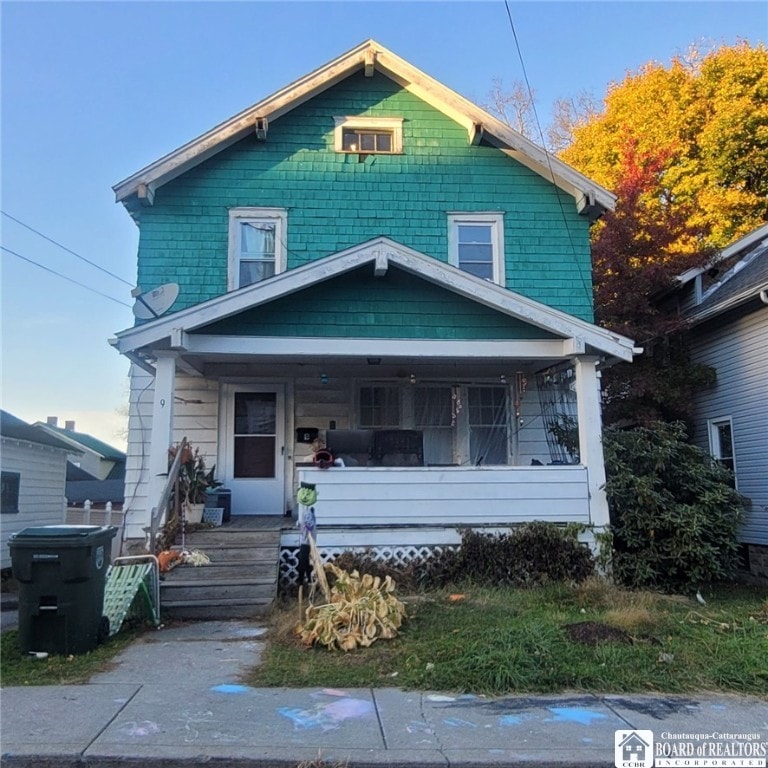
x=369, y=135
x=256, y=245
x=721, y=444
x=476, y=244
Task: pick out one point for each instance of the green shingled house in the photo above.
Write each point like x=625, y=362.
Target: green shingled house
x=371, y=264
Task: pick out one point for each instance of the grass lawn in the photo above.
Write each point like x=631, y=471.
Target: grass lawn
x=498, y=641
x=18, y=669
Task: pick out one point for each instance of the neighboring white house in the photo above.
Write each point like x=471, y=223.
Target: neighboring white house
x=34, y=466
x=727, y=305
x=99, y=459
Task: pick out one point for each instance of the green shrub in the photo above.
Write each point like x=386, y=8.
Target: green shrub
x=674, y=514
x=531, y=554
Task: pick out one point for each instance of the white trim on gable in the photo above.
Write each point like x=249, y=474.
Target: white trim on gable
x=378, y=253
x=591, y=199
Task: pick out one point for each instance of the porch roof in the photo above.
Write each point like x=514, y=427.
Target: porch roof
x=184, y=332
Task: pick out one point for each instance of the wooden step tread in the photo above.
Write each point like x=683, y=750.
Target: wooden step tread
x=225, y=582
x=223, y=601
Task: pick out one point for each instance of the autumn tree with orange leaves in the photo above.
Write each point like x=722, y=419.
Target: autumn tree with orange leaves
x=685, y=150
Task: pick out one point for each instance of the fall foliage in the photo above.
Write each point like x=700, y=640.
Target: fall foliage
x=708, y=115
x=685, y=150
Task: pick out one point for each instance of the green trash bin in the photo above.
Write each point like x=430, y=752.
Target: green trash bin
x=61, y=571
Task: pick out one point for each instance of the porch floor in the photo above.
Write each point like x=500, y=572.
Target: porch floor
x=258, y=523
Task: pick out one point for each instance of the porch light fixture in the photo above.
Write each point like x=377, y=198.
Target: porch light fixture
x=323, y=378
x=412, y=378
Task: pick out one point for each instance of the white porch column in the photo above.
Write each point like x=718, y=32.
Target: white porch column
x=162, y=425
x=590, y=437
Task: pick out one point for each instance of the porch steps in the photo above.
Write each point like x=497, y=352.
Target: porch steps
x=241, y=580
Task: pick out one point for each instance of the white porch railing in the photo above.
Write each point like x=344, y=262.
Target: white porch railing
x=86, y=515
x=449, y=496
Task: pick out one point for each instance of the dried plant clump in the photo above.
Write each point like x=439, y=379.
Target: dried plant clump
x=361, y=610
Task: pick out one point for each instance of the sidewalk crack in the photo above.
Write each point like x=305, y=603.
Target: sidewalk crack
x=378, y=717
x=112, y=719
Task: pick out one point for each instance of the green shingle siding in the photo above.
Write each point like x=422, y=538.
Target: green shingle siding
x=357, y=304
x=336, y=202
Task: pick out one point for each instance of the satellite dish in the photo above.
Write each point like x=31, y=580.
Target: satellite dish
x=156, y=302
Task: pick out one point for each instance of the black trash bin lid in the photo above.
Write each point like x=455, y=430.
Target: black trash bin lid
x=60, y=531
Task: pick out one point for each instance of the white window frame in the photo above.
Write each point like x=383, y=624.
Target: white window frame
x=494, y=219
x=380, y=124
x=251, y=215
x=715, y=447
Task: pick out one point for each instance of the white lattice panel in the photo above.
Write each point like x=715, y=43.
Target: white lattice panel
x=395, y=555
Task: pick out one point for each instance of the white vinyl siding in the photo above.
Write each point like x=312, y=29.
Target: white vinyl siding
x=42, y=474
x=738, y=351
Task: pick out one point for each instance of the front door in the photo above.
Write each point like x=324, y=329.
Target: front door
x=255, y=448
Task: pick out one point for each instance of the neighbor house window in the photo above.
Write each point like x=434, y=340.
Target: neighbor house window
x=369, y=135
x=721, y=444
x=476, y=244
x=257, y=248
x=10, y=492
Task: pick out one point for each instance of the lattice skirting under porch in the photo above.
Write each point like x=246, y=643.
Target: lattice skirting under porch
x=396, y=555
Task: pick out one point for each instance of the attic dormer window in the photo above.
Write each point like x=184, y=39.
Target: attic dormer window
x=369, y=135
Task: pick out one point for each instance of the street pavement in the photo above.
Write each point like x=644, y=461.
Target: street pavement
x=175, y=697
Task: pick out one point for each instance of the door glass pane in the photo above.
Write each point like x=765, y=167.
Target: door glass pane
x=255, y=434
x=254, y=456
x=255, y=413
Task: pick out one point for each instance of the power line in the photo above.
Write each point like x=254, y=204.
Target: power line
x=68, y=250
x=587, y=287
x=64, y=277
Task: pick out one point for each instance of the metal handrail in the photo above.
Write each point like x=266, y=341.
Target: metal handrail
x=161, y=509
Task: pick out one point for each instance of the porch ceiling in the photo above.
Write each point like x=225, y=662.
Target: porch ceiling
x=388, y=367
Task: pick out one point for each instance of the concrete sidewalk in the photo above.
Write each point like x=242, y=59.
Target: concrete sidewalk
x=175, y=698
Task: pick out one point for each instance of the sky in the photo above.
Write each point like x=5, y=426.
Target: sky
x=93, y=91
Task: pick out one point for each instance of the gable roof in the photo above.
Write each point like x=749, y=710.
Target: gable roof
x=746, y=279
x=83, y=440
x=13, y=427
x=380, y=254
x=591, y=198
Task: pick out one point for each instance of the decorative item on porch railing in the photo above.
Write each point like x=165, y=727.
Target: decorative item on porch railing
x=557, y=396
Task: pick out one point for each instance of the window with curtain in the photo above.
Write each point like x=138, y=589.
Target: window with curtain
x=257, y=248
x=488, y=425
x=432, y=414
x=379, y=406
